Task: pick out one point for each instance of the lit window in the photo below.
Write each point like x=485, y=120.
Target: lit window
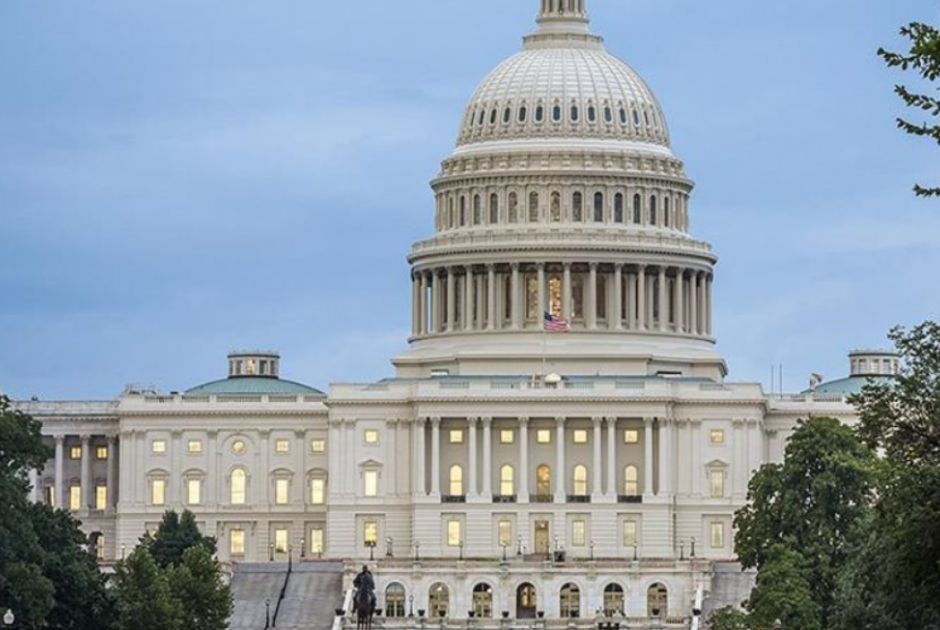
x=282, y=446
x=578, y=533
x=629, y=533
x=158, y=447
x=456, y=436
x=239, y=487
x=100, y=547
x=238, y=447
x=453, y=533
x=236, y=544
x=280, y=540
x=101, y=452
x=101, y=498
x=580, y=481
x=194, y=447
x=50, y=496
x=717, y=436
x=580, y=436
x=75, y=498
x=372, y=436
x=543, y=436
x=318, y=491
x=505, y=533
x=717, y=479
x=371, y=479
x=718, y=535
x=506, y=481
x=507, y=436
x=318, y=446
x=250, y=367
x=282, y=491
x=75, y=452
x=456, y=481
x=194, y=492
x=158, y=492
x=370, y=533
x=316, y=540
x=630, y=486
x=631, y=436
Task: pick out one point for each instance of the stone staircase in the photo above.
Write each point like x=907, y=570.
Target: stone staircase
x=311, y=594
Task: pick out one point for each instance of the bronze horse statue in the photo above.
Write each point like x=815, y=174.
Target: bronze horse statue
x=364, y=599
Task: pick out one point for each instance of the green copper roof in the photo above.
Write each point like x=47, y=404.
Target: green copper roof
x=250, y=385
x=849, y=386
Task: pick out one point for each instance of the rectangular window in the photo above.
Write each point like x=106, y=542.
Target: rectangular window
x=717, y=436
x=372, y=436
x=50, y=496
x=101, y=452
x=282, y=446
x=507, y=436
x=629, y=533
x=101, y=498
x=100, y=549
x=456, y=436
x=158, y=492
x=453, y=533
x=281, y=491
x=316, y=540
x=578, y=533
x=281, y=543
x=718, y=535
x=194, y=447
x=318, y=491
x=370, y=533
x=505, y=533
x=75, y=498
x=631, y=436
x=318, y=446
x=158, y=447
x=75, y=452
x=194, y=492
x=717, y=483
x=543, y=436
x=371, y=480
x=236, y=542
x=580, y=436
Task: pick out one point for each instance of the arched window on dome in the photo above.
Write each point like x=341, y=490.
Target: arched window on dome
x=507, y=115
x=636, y=118
x=637, y=209
x=477, y=210
x=618, y=208
x=654, y=219
x=623, y=116
x=598, y=207
x=646, y=117
x=513, y=207
x=533, y=207
x=523, y=114
x=592, y=114
x=493, y=116
x=556, y=207
x=494, y=209
x=577, y=207
x=608, y=115
x=482, y=117
x=556, y=113
x=463, y=211
x=667, y=211
x=539, y=113
x=575, y=113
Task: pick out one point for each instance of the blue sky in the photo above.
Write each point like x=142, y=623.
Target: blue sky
x=181, y=178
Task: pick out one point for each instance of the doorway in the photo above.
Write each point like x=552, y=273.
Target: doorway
x=526, y=602
x=542, y=545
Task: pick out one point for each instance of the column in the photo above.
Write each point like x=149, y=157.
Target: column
x=516, y=305
x=598, y=467
x=86, y=472
x=523, y=491
x=677, y=298
x=265, y=484
x=472, y=440
x=214, y=455
x=419, y=455
x=560, y=460
x=468, y=296
x=540, y=269
x=566, y=293
x=480, y=309
x=34, y=485
x=641, y=297
x=612, y=457
x=435, y=311
x=592, y=297
x=451, y=300
x=491, y=297
x=697, y=447
x=631, y=300
x=110, y=483
x=693, y=303
x=436, y=457
x=617, y=315
x=708, y=305
x=487, y=458
x=423, y=305
x=415, y=305
x=738, y=488
x=648, y=457
x=665, y=457
x=663, y=302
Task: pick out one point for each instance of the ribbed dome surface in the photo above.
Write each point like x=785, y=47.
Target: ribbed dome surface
x=563, y=91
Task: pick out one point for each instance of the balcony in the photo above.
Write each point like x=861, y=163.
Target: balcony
x=579, y=498
x=504, y=498
x=543, y=498
x=454, y=498
x=630, y=498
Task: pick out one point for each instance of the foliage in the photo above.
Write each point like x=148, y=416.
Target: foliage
x=924, y=58
x=728, y=618
x=197, y=583
x=783, y=592
x=145, y=601
x=174, y=536
x=807, y=506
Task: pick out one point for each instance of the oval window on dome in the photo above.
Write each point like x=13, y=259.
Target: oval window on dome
x=507, y=115
x=592, y=114
x=608, y=115
x=623, y=116
x=482, y=117
x=556, y=113
x=493, y=116
x=575, y=113
x=646, y=117
x=523, y=114
x=539, y=114
x=636, y=118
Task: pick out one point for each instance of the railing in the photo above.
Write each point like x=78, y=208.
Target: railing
x=579, y=498
x=454, y=498
x=504, y=498
x=630, y=498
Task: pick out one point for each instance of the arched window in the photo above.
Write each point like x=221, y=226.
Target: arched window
x=667, y=211
x=646, y=118
x=556, y=207
x=533, y=207
x=637, y=209
x=526, y=602
x=618, y=208
x=598, y=207
x=556, y=113
x=513, y=207
x=623, y=116
x=631, y=486
x=239, y=487
x=570, y=601
x=493, y=116
x=507, y=115
x=657, y=601
x=523, y=114
x=494, y=209
x=608, y=114
x=543, y=481
x=483, y=601
x=592, y=114
x=507, y=486
x=482, y=117
x=477, y=210
x=463, y=211
x=438, y=601
x=653, y=217
x=577, y=207
x=613, y=600
x=395, y=601
x=539, y=113
x=636, y=118
x=456, y=481
x=575, y=113
x=580, y=481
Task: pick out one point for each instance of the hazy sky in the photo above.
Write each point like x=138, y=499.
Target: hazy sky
x=179, y=178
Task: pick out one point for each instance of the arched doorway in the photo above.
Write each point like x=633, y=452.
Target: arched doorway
x=483, y=601
x=526, y=602
x=395, y=601
x=613, y=599
x=438, y=601
x=657, y=601
x=570, y=607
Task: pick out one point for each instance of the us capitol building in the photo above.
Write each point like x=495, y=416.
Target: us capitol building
x=503, y=470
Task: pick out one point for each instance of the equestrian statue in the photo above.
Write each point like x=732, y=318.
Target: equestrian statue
x=364, y=599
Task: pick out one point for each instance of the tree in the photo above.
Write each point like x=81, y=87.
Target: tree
x=807, y=506
x=728, y=618
x=924, y=58
x=197, y=583
x=174, y=536
x=783, y=592
x=145, y=601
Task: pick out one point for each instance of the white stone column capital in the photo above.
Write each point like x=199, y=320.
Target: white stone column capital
x=560, y=421
x=486, y=420
x=472, y=422
x=523, y=421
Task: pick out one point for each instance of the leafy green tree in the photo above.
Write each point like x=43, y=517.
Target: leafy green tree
x=204, y=597
x=783, y=592
x=145, y=600
x=808, y=505
x=728, y=618
x=174, y=536
x=924, y=58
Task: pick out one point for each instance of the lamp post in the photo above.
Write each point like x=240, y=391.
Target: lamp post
x=505, y=547
x=411, y=605
x=371, y=546
x=267, y=613
x=461, y=549
x=123, y=551
x=592, y=550
x=417, y=550
x=290, y=557
x=271, y=552
x=636, y=552
x=693, y=548
x=778, y=625
x=519, y=550
x=681, y=550
x=8, y=618
x=303, y=547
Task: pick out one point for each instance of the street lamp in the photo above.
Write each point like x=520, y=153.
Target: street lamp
x=778, y=625
x=303, y=547
x=123, y=550
x=267, y=613
x=592, y=550
x=371, y=546
x=8, y=618
x=417, y=550
x=461, y=550
x=505, y=547
x=693, y=547
x=411, y=605
x=636, y=552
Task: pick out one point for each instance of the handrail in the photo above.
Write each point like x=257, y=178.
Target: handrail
x=282, y=594
x=347, y=605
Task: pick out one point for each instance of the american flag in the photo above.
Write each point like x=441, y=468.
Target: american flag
x=555, y=323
